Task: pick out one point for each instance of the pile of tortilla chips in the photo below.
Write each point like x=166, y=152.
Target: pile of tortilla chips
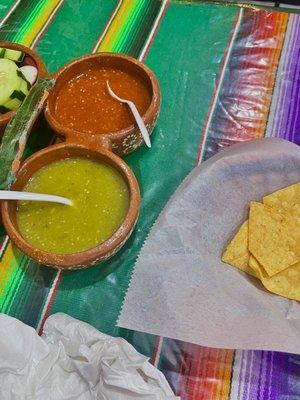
x=267, y=245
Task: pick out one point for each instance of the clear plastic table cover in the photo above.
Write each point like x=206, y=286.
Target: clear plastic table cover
x=227, y=74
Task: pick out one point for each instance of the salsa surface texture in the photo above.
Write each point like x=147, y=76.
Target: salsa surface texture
x=100, y=199
x=85, y=105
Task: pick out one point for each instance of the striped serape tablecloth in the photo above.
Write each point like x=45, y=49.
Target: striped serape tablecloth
x=227, y=74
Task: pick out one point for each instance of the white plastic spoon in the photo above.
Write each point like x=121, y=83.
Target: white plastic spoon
x=136, y=114
x=14, y=195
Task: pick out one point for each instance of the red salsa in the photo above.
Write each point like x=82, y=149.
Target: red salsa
x=85, y=105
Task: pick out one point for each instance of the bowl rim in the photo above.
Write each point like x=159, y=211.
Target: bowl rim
x=69, y=133
x=88, y=257
x=42, y=71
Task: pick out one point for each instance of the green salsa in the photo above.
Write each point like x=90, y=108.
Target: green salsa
x=100, y=199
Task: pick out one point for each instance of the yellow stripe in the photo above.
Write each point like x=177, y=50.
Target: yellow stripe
x=7, y=264
x=39, y=22
x=223, y=375
x=114, y=31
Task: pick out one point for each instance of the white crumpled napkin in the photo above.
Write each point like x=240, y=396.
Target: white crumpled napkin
x=73, y=360
x=181, y=289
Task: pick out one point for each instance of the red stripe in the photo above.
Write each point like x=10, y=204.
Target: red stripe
x=155, y=31
x=50, y=303
x=155, y=351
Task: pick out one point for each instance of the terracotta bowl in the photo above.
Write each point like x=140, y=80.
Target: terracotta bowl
x=34, y=60
x=89, y=257
x=120, y=142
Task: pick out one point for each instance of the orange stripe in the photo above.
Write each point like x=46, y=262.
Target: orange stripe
x=205, y=373
x=223, y=375
x=279, y=32
x=278, y=22
x=225, y=390
x=218, y=372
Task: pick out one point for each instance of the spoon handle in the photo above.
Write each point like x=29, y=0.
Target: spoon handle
x=140, y=123
x=139, y=120
x=14, y=195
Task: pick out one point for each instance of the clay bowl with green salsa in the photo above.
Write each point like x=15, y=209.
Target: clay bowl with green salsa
x=106, y=201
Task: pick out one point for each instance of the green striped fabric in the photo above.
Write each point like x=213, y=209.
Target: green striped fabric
x=95, y=295
x=132, y=37
x=74, y=31
x=4, y=6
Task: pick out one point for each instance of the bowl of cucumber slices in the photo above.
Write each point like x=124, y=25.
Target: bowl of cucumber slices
x=19, y=69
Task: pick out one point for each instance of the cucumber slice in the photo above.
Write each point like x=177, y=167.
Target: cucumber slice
x=13, y=86
x=24, y=87
x=14, y=55
x=17, y=96
x=13, y=104
x=23, y=77
x=9, y=79
x=21, y=93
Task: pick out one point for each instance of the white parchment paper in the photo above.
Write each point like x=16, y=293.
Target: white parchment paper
x=72, y=360
x=181, y=289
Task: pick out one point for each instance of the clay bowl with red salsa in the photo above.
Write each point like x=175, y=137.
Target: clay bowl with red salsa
x=80, y=109
x=31, y=58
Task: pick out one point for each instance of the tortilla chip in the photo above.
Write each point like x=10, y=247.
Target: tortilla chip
x=273, y=238
x=237, y=253
x=287, y=199
x=286, y=283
